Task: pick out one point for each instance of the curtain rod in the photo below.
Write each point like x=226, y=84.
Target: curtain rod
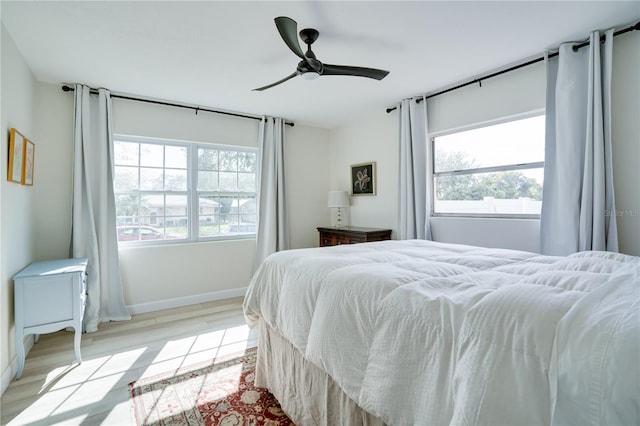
x=66, y=88
x=533, y=61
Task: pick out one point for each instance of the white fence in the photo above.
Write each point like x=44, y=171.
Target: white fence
x=489, y=205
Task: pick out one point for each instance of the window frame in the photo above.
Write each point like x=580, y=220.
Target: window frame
x=192, y=192
x=479, y=170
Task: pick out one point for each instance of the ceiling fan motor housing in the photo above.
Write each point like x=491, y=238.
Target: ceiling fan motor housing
x=309, y=35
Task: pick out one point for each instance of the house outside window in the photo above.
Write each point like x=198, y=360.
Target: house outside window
x=496, y=170
x=170, y=191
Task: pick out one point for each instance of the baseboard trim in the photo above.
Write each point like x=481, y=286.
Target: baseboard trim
x=9, y=373
x=159, y=305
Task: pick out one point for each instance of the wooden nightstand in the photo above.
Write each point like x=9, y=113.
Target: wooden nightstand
x=333, y=236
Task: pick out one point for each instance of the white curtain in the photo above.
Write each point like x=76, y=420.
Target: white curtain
x=414, y=199
x=578, y=208
x=273, y=226
x=94, y=212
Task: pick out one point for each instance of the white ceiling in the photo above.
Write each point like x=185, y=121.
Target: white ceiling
x=212, y=53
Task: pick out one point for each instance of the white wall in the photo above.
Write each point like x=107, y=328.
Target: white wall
x=17, y=207
x=375, y=138
x=513, y=93
x=54, y=131
x=307, y=182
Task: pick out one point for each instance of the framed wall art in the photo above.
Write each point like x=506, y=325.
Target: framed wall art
x=16, y=156
x=28, y=168
x=363, y=179
x=21, y=158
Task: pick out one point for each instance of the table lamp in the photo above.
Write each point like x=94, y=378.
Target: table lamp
x=338, y=199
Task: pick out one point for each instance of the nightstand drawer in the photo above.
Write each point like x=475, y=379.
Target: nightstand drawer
x=342, y=239
x=334, y=236
x=327, y=240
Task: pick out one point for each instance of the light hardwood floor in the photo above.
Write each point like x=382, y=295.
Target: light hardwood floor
x=55, y=390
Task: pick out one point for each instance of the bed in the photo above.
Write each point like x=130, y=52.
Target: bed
x=418, y=333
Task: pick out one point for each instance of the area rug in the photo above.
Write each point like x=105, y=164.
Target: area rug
x=219, y=394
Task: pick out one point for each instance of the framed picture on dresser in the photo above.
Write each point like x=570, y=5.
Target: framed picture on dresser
x=363, y=178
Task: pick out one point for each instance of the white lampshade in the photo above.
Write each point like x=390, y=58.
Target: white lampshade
x=338, y=199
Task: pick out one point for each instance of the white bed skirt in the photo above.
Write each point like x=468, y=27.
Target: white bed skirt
x=306, y=393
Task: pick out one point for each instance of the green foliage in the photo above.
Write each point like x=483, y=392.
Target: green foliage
x=131, y=205
x=457, y=160
x=501, y=185
x=214, y=159
x=207, y=159
x=126, y=205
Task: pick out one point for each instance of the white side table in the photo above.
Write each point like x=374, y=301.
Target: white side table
x=49, y=296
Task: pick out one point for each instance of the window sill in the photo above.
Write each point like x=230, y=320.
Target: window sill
x=487, y=216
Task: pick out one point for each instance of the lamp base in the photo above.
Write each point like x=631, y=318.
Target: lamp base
x=340, y=223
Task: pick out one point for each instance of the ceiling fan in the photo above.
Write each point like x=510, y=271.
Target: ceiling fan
x=309, y=67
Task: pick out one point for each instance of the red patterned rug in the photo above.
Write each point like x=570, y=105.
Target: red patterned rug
x=219, y=394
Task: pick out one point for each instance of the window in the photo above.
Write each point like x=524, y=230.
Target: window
x=495, y=170
x=182, y=191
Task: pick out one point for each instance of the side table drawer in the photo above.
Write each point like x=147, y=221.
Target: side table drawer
x=326, y=240
x=47, y=300
x=355, y=239
x=342, y=239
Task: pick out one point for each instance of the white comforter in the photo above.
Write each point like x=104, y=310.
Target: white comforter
x=422, y=333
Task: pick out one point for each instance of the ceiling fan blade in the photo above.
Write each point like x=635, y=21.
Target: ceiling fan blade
x=277, y=82
x=288, y=29
x=355, y=71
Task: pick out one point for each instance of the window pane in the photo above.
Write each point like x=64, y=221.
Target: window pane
x=175, y=180
x=246, y=161
x=176, y=216
x=151, y=179
x=247, y=205
x=125, y=153
x=242, y=228
x=152, y=205
x=176, y=157
x=125, y=179
x=509, y=192
x=209, y=210
x=515, y=142
x=207, y=159
x=141, y=232
x=207, y=181
x=228, y=210
x=127, y=208
x=247, y=182
x=151, y=155
x=228, y=181
x=228, y=161
x=209, y=227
